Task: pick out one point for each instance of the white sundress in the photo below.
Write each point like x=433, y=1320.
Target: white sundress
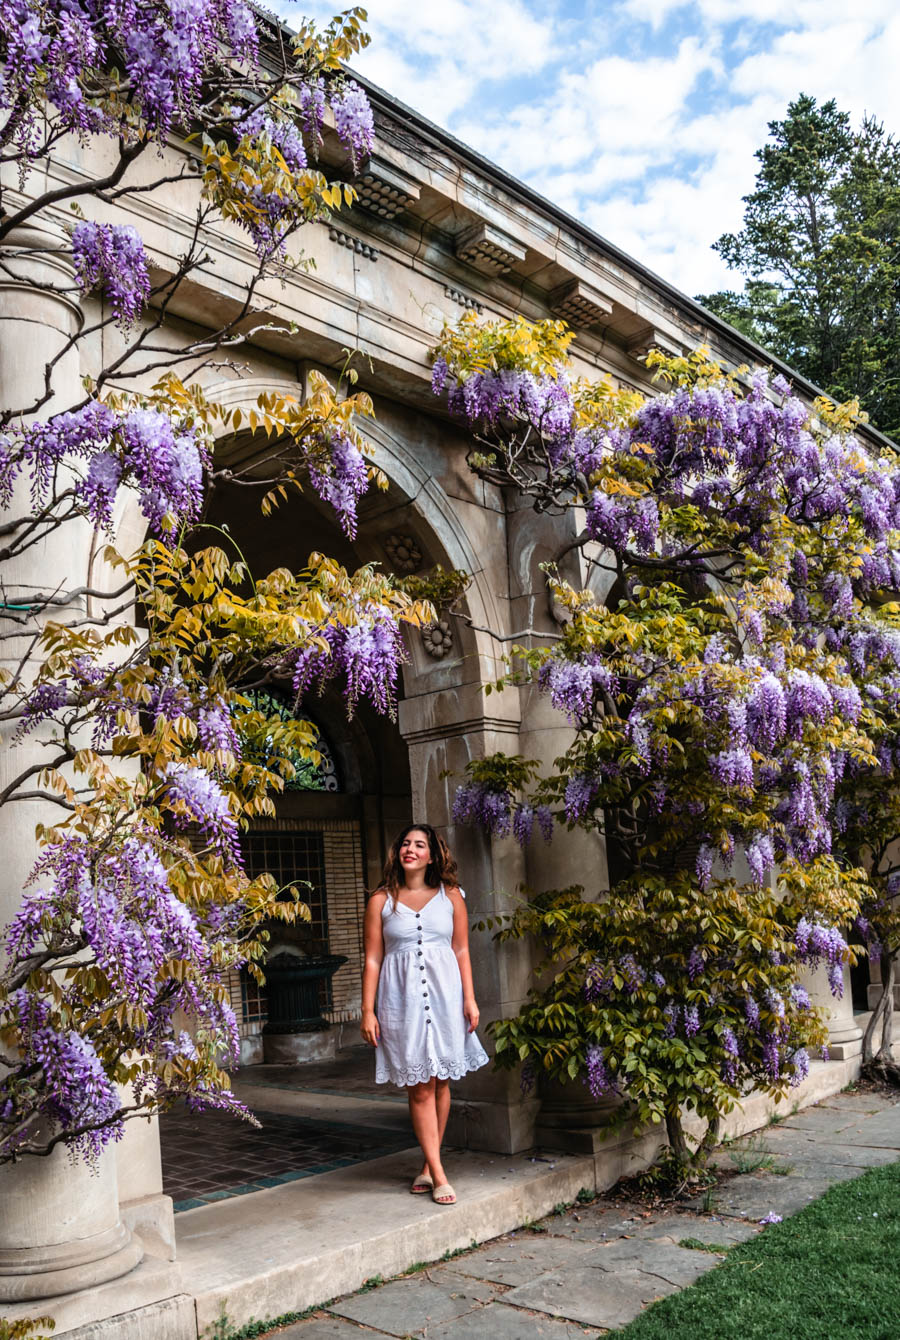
x=420, y=1001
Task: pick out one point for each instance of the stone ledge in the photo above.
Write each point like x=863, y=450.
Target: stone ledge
x=294, y=1246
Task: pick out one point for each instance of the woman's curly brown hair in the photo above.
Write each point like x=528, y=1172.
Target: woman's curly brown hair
x=441, y=868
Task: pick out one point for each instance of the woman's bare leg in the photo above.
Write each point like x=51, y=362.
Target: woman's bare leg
x=424, y=1115
x=442, y=1110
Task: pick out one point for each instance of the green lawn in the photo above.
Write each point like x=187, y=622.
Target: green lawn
x=833, y=1270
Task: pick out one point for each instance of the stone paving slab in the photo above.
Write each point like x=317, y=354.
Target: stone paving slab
x=596, y=1267
x=754, y=1195
x=805, y=1145
x=413, y=1305
x=517, y=1260
x=499, y=1322
x=702, y=1227
x=859, y=1102
x=653, y=1256
x=322, y=1328
x=592, y=1223
x=825, y=1120
x=596, y=1297
x=816, y=1169
x=880, y=1131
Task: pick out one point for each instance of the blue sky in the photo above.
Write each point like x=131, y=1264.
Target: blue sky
x=641, y=117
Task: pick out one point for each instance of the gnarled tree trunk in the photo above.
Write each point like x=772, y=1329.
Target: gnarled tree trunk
x=878, y=1059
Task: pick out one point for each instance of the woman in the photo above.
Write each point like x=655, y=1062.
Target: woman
x=417, y=957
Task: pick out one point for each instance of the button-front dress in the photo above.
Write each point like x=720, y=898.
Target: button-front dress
x=420, y=999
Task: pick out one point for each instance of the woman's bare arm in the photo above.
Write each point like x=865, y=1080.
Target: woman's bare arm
x=460, y=943
x=373, y=956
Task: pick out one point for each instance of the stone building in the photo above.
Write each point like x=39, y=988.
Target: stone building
x=438, y=231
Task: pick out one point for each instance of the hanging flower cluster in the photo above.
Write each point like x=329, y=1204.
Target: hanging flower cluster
x=112, y=255
x=162, y=459
x=164, y=48
x=723, y=700
x=114, y=905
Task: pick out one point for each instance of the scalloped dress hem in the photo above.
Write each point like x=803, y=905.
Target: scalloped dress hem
x=421, y=1074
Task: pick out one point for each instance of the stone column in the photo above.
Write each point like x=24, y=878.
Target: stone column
x=60, y=1227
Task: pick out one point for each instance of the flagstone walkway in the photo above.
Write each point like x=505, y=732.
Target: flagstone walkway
x=588, y=1270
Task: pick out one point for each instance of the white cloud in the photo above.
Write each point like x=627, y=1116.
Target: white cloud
x=652, y=146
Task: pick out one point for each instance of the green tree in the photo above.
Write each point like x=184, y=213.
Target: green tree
x=820, y=252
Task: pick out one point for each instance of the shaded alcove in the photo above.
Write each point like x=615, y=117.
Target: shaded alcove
x=334, y=839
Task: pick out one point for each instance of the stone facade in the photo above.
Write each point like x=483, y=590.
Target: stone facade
x=437, y=231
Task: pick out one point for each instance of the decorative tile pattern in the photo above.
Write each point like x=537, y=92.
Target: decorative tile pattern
x=212, y=1155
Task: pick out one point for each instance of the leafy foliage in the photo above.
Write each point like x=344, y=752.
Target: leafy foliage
x=721, y=701
x=129, y=702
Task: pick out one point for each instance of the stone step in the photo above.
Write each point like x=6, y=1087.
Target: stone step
x=303, y=1243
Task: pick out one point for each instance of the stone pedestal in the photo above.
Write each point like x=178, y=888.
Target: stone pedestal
x=60, y=1228
x=570, y=1119
x=844, y=1033
x=296, y=1048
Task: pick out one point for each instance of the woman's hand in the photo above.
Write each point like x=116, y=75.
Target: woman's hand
x=472, y=1013
x=369, y=1028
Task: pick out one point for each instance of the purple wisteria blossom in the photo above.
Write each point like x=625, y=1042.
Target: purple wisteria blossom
x=353, y=122
x=545, y=821
x=344, y=480
x=696, y=963
x=196, y=797
x=580, y=793
x=573, y=685
x=476, y=803
x=760, y=856
x=281, y=131
x=704, y=863
x=368, y=653
x=732, y=1050
x=112, y=256
x=816, y=943
x=598, y=1078
x=164, y=48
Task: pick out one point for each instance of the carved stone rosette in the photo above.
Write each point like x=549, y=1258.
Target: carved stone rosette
x=403, y=552
x=437, y=639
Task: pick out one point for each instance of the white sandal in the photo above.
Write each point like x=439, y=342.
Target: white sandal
x=422, y=1184
x=443, y=1195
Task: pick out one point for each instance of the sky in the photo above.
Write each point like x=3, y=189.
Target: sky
x=639, y=117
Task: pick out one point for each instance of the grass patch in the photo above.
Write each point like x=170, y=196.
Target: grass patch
x=829, y=1270
x=752, y=1157
x=695, y=1245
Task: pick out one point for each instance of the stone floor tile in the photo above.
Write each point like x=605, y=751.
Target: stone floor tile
x=703, y=1227
x=520, y=1259
x=823, y=1120
x=806, y=1146
x=678, y=1266
x=407, y=1306
x=216, y=1152
x=817, y=1169
x=595, y=1297
x=593, y=1223
x=325, y=1328
x=860, y=1102
x=499, y=1322
x=754, y=1195
x=879, y=1131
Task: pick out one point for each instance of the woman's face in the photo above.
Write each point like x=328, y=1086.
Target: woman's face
x=415, y=852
